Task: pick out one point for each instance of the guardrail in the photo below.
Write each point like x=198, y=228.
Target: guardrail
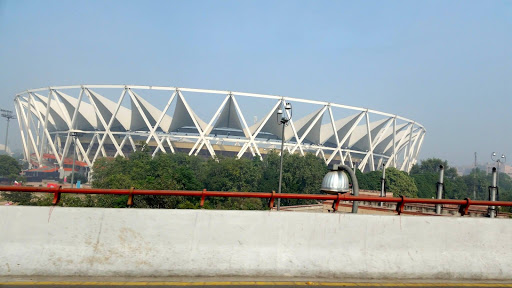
x=400, y=201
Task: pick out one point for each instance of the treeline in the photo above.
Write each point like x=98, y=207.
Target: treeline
x=422, y=182
x=300, y=175
x=183, y=172
x=458, y=187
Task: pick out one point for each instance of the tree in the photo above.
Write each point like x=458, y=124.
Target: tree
x=183, y=172
x=431, y=165
x=397, y=182
x=481, y=181
x=231, y=174
x=9, y=167
x=426, y=176
x=400, y=183
x=141, y=171
x=301, y=174
x=426, y=184
x=456, y=188
x=77, y=177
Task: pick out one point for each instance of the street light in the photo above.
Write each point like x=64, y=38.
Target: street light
x=282, y=119
x=336, y=181
x=498, y=160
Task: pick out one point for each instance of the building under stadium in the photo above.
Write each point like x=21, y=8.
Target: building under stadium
x=115, y=120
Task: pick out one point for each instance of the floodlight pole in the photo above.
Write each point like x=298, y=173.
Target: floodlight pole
x=8, y=115
x=6, y=135
x=283, y=121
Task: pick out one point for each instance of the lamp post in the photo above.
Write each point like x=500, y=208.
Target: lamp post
x=282, y=119
x=383, y=184
x=498, y=160
x=74, y=135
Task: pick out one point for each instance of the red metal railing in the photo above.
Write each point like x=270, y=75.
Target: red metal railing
x=400, y=201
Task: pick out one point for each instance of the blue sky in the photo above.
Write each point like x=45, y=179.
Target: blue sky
x=445, y=64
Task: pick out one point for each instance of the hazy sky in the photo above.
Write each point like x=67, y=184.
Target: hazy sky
x=444, y=64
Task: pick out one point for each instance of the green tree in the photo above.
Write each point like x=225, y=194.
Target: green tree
x=431, y=165
x=400, y=183
x=77, y=177
x=141, y=171
x=397, y=182
x=481, y=181
x=231, y=174
x=426, y=177
x=9, y=167
x=426, y=184
x=301, y=174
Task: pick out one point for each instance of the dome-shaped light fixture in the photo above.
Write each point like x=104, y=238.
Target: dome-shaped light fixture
x=336, y=181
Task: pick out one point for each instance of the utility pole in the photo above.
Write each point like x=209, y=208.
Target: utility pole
x=383, y=184
x=492, y=193
x=440, y=189
x=474, y=179
x=8, y=115
x=74, y=135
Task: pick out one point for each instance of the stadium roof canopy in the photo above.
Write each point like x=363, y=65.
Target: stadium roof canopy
x=211, y=122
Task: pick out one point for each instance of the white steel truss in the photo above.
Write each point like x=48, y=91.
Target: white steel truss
x=110, y=127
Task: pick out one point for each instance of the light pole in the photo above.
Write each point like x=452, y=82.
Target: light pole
x=282, y=119
x=8, y=115
x=383, y=184
x=74, y=135
x=498, y=160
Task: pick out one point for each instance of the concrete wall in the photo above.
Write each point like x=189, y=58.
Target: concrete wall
x=90, y=241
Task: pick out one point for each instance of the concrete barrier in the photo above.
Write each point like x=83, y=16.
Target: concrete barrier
x=142, y=242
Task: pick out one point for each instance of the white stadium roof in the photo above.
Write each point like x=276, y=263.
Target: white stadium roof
x=112, y=126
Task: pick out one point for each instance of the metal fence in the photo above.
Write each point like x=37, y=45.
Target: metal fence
x=400, y=201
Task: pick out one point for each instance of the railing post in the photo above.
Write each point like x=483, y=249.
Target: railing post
x=336, y=203
x=492, y=193
x=56, y=196
x=440, y=186
x=271, y=202
x=203, y=196
x=400, y=206
x=129, y=203
x=464, y=208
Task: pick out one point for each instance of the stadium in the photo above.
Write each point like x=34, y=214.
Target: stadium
x=115, y=120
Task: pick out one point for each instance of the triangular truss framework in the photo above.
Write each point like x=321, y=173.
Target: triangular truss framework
x=48, y=116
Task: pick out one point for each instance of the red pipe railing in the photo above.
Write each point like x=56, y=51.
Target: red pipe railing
x=400, y=201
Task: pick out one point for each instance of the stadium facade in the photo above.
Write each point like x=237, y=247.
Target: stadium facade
x=115, y=120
